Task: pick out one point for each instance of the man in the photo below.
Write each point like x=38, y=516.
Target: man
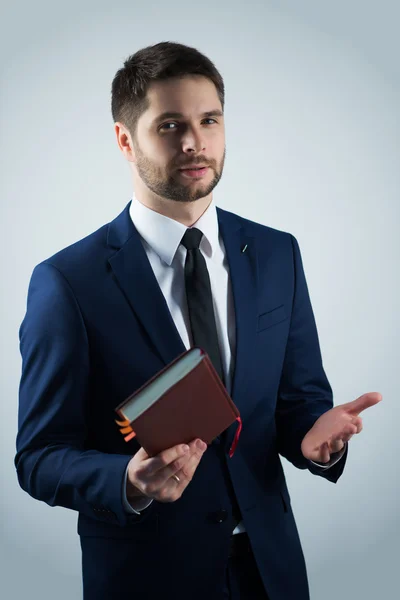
x=110, y=311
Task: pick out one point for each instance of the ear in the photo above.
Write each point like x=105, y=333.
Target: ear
x=124, y=140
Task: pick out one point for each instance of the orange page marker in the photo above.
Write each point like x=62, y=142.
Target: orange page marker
x=123, y=423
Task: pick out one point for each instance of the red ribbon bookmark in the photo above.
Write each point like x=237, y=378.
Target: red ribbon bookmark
x=236, y=439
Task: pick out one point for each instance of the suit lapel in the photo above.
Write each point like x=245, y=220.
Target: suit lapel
x=244, y=281
x=137, y=281
x=243, y=277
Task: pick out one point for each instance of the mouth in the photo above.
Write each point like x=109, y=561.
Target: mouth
x=194, y=172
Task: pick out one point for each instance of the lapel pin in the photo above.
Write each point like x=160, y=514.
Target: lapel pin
x=244, y=248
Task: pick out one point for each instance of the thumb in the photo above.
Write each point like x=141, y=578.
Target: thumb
x=365, y=401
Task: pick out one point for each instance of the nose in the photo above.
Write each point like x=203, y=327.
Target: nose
x=193, y=141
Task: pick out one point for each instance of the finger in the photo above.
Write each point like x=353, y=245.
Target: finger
x=337, y=445
x=186, y=471
x=347, y=432
x=345, y=438
x=350, y=428
x=324, y=453
x=160, y=468
x=168, y=488
x=346, y=428
x=152, y=465
x=357, y=421
x=346, y=435
x=363, y=402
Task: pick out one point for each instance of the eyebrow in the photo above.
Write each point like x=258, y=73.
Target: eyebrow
x=177, y=115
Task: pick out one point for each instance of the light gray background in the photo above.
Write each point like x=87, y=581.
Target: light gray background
x=312, y=121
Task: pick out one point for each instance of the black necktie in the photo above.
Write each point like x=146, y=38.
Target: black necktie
x=199, y=299
x=202, y=319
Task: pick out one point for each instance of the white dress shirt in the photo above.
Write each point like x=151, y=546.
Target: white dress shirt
x=161, y=238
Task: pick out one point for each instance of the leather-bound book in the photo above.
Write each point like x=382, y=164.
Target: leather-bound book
x=183, y=401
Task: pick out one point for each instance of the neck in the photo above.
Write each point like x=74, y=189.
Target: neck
x=187, y=213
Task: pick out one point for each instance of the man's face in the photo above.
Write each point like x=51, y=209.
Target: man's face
x=165, y=144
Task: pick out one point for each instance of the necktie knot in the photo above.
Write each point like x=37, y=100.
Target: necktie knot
x=192, y=238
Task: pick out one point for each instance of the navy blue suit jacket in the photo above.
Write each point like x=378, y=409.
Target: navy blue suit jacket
x=96, y=328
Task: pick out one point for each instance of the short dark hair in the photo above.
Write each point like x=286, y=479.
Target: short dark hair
x=154, y=63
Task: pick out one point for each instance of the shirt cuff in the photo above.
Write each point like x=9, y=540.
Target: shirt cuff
x=139, y=503
x=334, y=459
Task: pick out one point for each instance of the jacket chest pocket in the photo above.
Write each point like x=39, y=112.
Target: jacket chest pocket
x=271, y=317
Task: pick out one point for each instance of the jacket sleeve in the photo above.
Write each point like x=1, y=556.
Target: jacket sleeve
x=51, y=460
x=304, y=391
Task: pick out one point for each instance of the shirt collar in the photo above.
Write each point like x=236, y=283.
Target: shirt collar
x=164, y=234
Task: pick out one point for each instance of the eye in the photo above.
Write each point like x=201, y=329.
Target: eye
x=165, y=125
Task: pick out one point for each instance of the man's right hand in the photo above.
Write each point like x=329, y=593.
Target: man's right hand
x=152, y=477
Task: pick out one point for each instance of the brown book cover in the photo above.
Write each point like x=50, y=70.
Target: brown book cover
x=183, y=401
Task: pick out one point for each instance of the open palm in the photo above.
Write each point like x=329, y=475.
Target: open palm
x=336, y=427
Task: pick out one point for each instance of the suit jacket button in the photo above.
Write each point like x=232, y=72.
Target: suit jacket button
x=221, y=516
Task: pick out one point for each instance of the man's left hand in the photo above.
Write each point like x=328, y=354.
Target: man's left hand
x=336, y=427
